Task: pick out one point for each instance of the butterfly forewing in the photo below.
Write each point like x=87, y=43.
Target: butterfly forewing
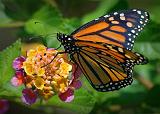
x=118, y=28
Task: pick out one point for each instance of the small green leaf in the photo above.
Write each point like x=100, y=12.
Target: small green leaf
x=8, y=91
x=6, y=71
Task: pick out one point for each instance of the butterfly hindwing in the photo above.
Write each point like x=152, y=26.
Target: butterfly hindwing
x=105, y=70
x=118, y=28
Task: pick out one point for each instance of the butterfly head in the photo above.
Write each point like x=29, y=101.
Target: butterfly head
x=68, y=42
x=63, y=38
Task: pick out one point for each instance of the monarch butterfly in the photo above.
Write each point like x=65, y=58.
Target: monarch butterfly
x=102, y=48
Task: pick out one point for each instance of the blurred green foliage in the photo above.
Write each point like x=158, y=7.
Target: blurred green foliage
x=47, y=17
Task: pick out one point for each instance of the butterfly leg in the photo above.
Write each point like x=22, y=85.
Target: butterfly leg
x=52, y=59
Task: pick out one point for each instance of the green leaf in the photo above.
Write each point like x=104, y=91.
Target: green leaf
x=150, y=50
x=10, y=92
x=44, y=21
x=6, y=71
x=82, y=103
x=67, y=26
x=47, y=22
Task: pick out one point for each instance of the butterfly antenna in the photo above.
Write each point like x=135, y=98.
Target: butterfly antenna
x=35, y=37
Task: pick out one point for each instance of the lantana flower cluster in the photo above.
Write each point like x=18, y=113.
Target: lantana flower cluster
x=45, y=73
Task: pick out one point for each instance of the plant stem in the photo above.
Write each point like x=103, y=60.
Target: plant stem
x=145, y=82
x=12, y=24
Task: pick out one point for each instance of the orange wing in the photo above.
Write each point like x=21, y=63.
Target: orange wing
x=107, y=67
x=119, y=28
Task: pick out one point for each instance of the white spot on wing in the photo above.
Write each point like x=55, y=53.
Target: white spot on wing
x=115, y=13
x=122, y=18
x=146, y=13
x=139, y=12
x=106, y=16
x=141, y=22
x=133, y=31
x=146, y=20
x=134, y=9
x=122, y=14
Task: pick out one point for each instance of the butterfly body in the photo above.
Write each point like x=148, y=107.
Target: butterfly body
x=68, y=43
x=102, y=48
